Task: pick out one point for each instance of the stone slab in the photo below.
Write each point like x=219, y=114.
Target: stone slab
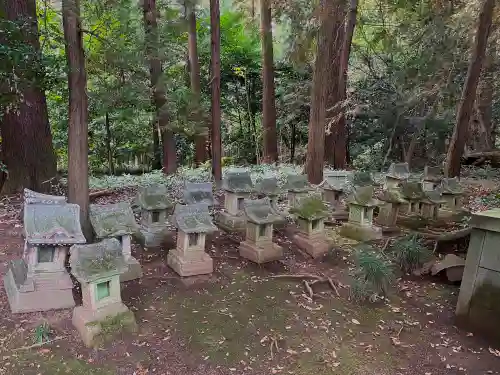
x=260, y=255
x=134, y=270
x=315, y=246
x=190, y=267
x=152, y=237
x=360, y=233
x=230, y=223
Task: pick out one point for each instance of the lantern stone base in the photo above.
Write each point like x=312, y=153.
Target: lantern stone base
x=51, y=291
x=184, y=266
x=360, y=233
x=315, y=246
x=253, y=252
x=89, y=323
x=230, y=223
x=134, y=270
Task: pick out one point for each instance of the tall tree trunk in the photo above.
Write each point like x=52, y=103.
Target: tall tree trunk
x=194, y=74
x=161, y=120
x=215, y=68
x=78, y=166
x=316, y=141
x=466, y=106
x=485, y=98
x=270, y=152
x=27, y=149
x=109, y=151
x=293, y=131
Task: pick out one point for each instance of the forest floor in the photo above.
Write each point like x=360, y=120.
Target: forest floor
x=242, y=320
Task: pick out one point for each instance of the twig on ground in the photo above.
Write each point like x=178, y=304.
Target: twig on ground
x=308, y=289
x=296, y=276
x=399, y=332
x=333, y=286
x=37, y=345
x=386, y=244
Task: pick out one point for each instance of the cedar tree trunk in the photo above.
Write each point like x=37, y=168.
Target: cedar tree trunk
x=215, y=68
x=466, y=106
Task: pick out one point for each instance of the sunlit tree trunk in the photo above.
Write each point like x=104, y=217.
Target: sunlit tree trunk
x=194, y=74
x=466, y=106
x=27, y=149
x=155, y=69
x=215, y=68
x=78, y=167
x=270, y=149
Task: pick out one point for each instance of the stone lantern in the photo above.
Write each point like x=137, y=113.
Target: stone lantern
x=432, y=178
x=199, y=192
x=237, y=186
x=297, y=186
x=396, y=175
x=388, y=214
x=453, y=195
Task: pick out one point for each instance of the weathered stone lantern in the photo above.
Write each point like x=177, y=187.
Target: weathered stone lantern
x=388, y=214
x=334, y=186
x=297, y=186
x=199, y=192
x=453, y=195
x=413, y=193
x=429, y=204
x=193, y=223
x=98, y=268
x=117, y=221
x=396, y=175
x=258, y=245
x=432, y=178
x=237, y=186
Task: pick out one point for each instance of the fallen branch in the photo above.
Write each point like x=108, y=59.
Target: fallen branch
x=333, y=286
x=101, y=193
x=37, y=345
x=296, y=276
x=308, y=289
x=308, y=284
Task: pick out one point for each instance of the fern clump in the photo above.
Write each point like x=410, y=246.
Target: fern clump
x=410, y=253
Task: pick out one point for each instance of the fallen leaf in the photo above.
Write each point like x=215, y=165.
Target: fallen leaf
x=355, y=321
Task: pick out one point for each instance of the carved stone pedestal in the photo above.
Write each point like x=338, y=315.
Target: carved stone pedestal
x=315, y=245
x=360, y=233
x=256, y=254
x=201, y=265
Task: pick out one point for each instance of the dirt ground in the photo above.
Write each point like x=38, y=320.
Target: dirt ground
x=241, y=320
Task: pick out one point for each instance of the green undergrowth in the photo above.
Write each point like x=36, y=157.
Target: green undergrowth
x=114, y=325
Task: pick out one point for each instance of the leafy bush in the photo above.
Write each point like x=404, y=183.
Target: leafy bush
x=410, y=253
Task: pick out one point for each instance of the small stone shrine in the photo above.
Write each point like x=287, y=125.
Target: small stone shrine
x=268, y=187
x=237, y=186
x=117, y=221
x=360, y=222
x=311, y=212
x=430, y=203
x=361, y=178
x=297, y=186
x=432, y=178
x=478, y=306
x=258, y=245
x=397, y=174
x=39, y=281
x=154, y=204
x=388, y=214
x=32, y=197
x=453, y=195
x=97, y=267
x=334, y=187
x=199, y=192
x=413, y=193
x=189, y=258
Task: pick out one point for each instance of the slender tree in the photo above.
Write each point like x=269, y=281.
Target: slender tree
x=27, y=149
x=78, y=167
x=466, y=106
x=270, y=152
x=194, y=74
x=161, y=121
x=215, y=69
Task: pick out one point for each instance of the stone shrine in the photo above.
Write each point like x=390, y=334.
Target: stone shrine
x=397, y=174
x=97, y=267
x=453, y=195
x=361, y=178
x=429, y=204
x=154, y=204
x=117, y=221
x=478, y=306
x=413, y=193
x=199, y=192
x=39, y=281
x=388, y=214
x=335, y=185
x=258, y=245
x=237, y=186
x=432, y=178
x=268, y=187
x=297, y=186
x=189, y=258
x=360, y=222
x=311, y=212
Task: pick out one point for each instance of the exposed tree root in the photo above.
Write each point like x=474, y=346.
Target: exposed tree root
x=308, y=284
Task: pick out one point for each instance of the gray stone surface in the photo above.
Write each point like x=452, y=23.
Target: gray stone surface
x=238, y=181
x=193, y=218
x=32, y=197
x=199, y=192
x=269, y=187
x=400, y=171
x=260, y=211
x=154, y=197
x=113, y=220
x=297, y=183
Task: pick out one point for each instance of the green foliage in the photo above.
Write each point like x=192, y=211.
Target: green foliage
x=42, y=333
x=410, y=253
x=113, y=325
x=310, y=208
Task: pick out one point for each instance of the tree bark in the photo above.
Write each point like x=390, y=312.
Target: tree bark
x=317, y=116
x=109, y=151
x=215, y=104
x=78, y=167
x=159, y=100
x=466, y=106
x=270, y=149
x=27, y=149
x=194, y=75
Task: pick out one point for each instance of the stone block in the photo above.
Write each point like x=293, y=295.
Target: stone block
x=199, y=265
x=134, y=270
x=360, y=233
x=260, y=254
x=230, y=222
x=315, y=246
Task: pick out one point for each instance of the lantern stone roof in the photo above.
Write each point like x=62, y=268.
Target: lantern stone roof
x=259, y=211
x=154, y=197
x=412, y=191
x=361, y=178
x=193, y=218
x=53, y=224
x=199, y=192
x=336, y=180
x=399, y=171
x=433, y=174
x=269, y=186
x=393, y=196
x=451, y=186
x=32, y=197
x=433, y=197
x=237, y=181
x=362, y=196
x=97, y=261
x=297, y=183
x=113, y=220
x=310, y=207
